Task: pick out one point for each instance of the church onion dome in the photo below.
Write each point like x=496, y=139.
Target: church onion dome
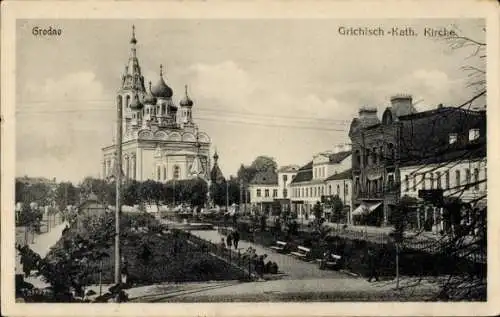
x=186, y=102
x=136, y=104
x=161, y=90
x=150, y=98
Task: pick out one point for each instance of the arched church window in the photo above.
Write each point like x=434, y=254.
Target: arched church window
x=127, y=101
x=177, y=172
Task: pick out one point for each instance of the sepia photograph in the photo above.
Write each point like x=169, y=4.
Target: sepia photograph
x=259, y=160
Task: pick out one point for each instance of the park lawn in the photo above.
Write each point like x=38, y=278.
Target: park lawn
x=172, y=259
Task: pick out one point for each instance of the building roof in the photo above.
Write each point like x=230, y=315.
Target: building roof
x=347, y=174
x=425, y=136
x=288, y=169
x=304, y=174
x=265, y=178
x=336, y=158
x=216, y=175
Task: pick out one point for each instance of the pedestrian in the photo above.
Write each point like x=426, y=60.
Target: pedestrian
x=236, y=239
x=372, y=266
x=222, y=243
x=229, y=240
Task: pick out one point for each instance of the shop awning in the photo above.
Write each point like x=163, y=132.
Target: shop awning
x=364, y=209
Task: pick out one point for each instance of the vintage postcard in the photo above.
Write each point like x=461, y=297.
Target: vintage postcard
x=249, y=158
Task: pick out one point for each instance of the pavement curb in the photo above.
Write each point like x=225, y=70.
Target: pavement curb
x=350, y=273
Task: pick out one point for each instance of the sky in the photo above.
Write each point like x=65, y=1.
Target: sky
x=282, y=88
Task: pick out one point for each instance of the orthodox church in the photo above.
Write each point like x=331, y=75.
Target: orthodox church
x=161, y=141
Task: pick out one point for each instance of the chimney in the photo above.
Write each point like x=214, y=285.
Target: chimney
x=440, y=106
x=368, y=116
x=402, y=105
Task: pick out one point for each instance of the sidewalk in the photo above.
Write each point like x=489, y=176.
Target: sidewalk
x=43, y=243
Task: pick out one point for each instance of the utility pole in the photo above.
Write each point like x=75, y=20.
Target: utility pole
x=118, y=178
x=227, y=196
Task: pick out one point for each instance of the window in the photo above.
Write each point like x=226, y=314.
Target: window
x=367, y=155
x=407, y=183
x=164, y=173
x=329, y=189
x=453, y=138
x=338, y=190
x=346, y=189
x=473, y=134
x=391, y=181
x=390, y=148
x=457, y=178
x=467, y=176
x=302, y=192
x=414, y=182
x=438, y=180
x=423, y=181
x=266, y=192
x=476, y=178
x=431, y=179
x=285, y=179
x=158, y=173
x=374, y=155
x=177, y=172
x=314, y=195
x=258, y=192
x=275, y=192
x=285, y=193
x=447, y=179
x=322, y=190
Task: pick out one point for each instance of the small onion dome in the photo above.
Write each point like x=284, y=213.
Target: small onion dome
x=161, y=90
x=136, y=104
x=150, y=99
x=186, y=102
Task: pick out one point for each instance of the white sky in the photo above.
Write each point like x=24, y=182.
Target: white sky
x=283, y=88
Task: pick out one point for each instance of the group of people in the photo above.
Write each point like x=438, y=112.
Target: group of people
x=232, y=239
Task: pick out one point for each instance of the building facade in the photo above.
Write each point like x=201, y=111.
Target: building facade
x=310, y=185
x=161, y=141
x=408, y=151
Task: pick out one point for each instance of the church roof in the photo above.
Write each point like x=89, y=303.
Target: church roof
x=160, y=89
x=216, y=175
x=288, y=169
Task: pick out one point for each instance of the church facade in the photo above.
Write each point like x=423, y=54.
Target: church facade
x=160, y=140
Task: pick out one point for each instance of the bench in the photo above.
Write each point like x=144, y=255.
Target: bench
x=333, y=261
x=302, y=252
x=280, y=246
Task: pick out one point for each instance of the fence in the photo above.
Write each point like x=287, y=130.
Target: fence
x=243, y=261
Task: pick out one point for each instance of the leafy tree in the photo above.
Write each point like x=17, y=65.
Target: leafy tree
x=131, y=193
x=264, y=163
x=70, y=264
x=150, y=191
x=105, y=192
x=338, y=209
x=29, y=217
x=218, y=192
x=66, y=194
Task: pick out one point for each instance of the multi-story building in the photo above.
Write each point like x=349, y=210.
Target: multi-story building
x=310, y=185
x=160, y=139
x=340, y=185
x=407, y=145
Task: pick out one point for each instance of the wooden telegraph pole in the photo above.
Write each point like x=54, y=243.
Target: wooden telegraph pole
x=118, y=178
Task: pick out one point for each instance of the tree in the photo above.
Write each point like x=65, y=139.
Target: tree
x=400, y=219
x=105, y=192
x=66, y=194
x=218, y=192
x=29, y=217
x=338, y=209
x=264, y=163
x=150, y=191
x=131, y=193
